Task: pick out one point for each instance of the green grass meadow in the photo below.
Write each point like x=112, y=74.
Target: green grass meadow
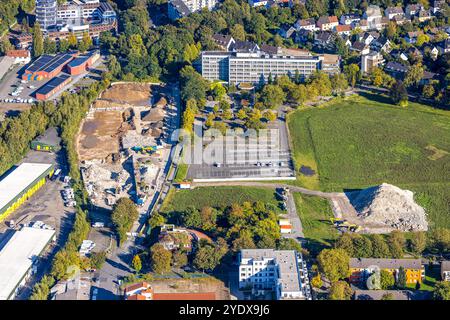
x=363, y=141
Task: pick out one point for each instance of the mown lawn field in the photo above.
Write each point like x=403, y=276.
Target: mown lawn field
x=363, y=141
x=217, y=197
x=315, y=214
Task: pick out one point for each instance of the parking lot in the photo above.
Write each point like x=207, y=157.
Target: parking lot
x=266, y=158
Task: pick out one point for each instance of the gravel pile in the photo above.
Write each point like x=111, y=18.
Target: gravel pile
x=391, y=206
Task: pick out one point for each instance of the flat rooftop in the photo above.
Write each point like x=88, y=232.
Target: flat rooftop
x=19, y=180
x=52, y=84
x=17, y=256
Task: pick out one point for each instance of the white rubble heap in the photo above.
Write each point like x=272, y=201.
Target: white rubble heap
x=389, y=205
x=104, y=181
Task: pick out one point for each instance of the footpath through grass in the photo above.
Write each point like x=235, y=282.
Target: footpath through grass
x=363, y=141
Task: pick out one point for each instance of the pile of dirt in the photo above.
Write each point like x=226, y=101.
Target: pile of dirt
x=390, y=206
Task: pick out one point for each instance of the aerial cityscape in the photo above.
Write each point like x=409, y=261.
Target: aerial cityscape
x=227, y=150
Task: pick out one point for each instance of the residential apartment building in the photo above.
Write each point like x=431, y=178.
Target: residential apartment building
x=327, y=23
x=254, y=67
x=181, y=8
x=370, y=61
x=362, y=268
x=373, y=16
x=268, y=270
x=392, y=12
x=330, y=63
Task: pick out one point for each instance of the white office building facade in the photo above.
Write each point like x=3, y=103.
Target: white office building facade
x=238, y=67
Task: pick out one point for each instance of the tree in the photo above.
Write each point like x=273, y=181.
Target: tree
x=396, y=243
x=238, y=32
x=340, y=290
x=72, y=39
x=272, y=96
x=85, y=43
x=269, y=115
x=241, y=114
x=97, y=259
x=352, y=73
x=38, y=41
x=398, y=93
x=345, y=242
x=401, y=278
x=387, y=280
x=208, y=255
x=160, y=259
x=441, y=291
x=414, y=75
x=123, y=216
x=380, y=248
x=192, y=84
x=421, y=39
x=363, y=246
x=316, y=281
x=428, y=91
x=156, y=220
x=49, y=46
x=136, y=263
x=440, y=239
x=418, y=242
x=179, y=258
x=218, y=90
x=334, y=264
x=64, y=46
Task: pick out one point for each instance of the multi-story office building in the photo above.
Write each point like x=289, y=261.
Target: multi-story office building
x=46, y=13
x=85, y=10
x=254, y=67
x=268, y=270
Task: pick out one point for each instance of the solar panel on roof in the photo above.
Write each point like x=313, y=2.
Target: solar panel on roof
x=52, y=84
x=61, y=60
x=39, y=63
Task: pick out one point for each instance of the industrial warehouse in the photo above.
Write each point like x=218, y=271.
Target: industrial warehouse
x=18, y=258
x=21, y=184
x=52, y=67
x=52, y=87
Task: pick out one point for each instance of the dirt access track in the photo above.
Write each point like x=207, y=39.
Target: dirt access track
x=100, y=133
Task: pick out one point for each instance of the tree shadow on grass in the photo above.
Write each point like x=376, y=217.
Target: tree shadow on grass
x=376, y=97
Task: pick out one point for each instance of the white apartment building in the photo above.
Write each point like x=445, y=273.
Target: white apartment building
x=266, y=270
x=371, y=61
x=254, y=67
x=180, y=8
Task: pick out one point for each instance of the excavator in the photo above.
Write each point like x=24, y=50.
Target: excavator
x=342, y=223
x=145, y=149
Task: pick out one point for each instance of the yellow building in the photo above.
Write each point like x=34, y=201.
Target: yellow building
x=362, y=268
x=21, y=184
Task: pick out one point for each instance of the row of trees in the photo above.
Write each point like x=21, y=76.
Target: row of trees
x=377, y=246
x=68, y=114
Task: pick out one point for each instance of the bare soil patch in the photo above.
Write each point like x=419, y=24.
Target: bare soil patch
x=131, y=93
x=98, y=138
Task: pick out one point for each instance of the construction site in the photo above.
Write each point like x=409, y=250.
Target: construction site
x=123, y=144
